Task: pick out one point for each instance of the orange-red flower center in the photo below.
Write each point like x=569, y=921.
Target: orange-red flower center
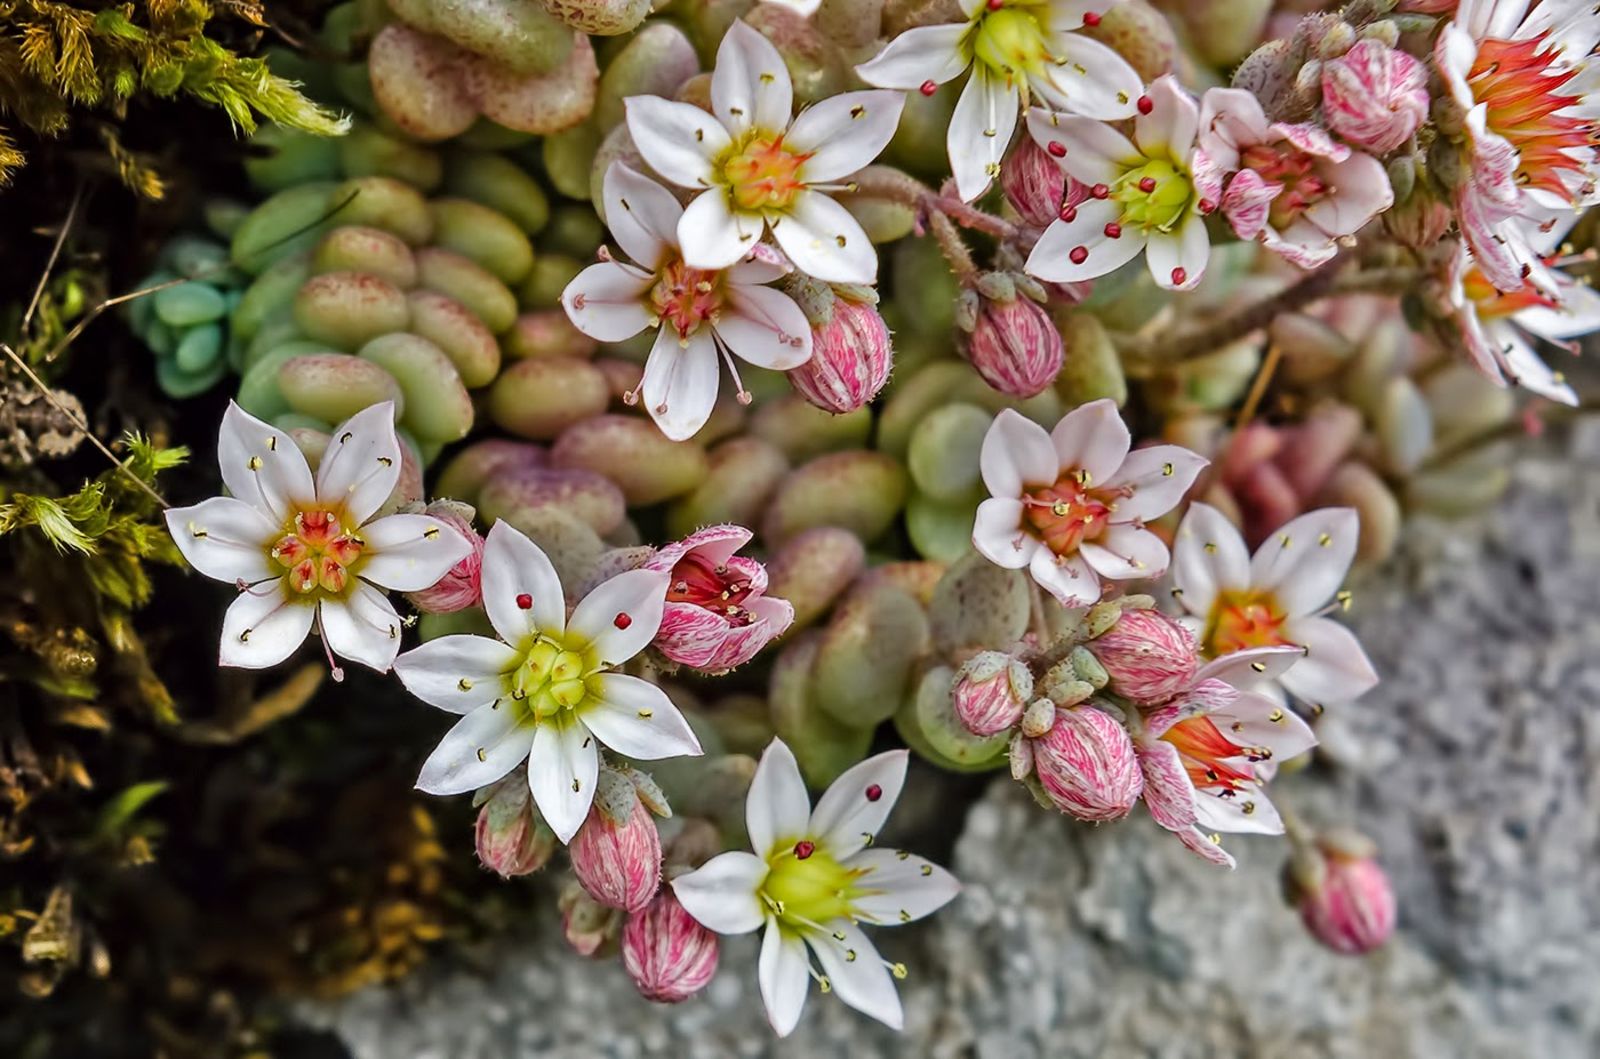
x=1522, y=82
x=719, y=589
x=1241, y=620
x=1071, y=511
x=1295, y=170
x=317, y=552
x=1211, y=758
x=761, y=173
x=1495, y=304
x=684, y=297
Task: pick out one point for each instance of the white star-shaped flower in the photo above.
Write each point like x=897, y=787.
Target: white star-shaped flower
x=813, y=879
x=762, y=170
x=307, y=551
x=703, y=315
x=546, y=691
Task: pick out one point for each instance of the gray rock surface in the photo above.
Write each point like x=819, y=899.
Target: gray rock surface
x=1473, y=765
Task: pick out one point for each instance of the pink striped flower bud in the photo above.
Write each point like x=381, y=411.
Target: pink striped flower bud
x=666, y=951
x=459, y=588
x=1345, y=898
x=1375, y=96
x=717, y=614
x=511, y=837
x=851, y=357
x=1033, y=183
x=1086, y=766
x=1148, y=656
x=1015, y=346
x=616, y=854
x=991, y=692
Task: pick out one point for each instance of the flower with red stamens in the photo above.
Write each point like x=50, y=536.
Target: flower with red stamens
x=1291, y=186
x=717, y=615
x=1524, y=82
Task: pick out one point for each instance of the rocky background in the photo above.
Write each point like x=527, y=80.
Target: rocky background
x=1473, y=766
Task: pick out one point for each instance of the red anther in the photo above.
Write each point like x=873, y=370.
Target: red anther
x=1069, y=213
x=1147, y=184
x=622, y=621
x=1207, y=206
x=929, y=88
x=1079, y=255
x=804, y=849
x=1100, y=191
x=1179, y=277
x=874, y=792
x=995, y=5
x=525, y=601
x=1113, y=230
x=1057, y=148
x=1091, y=19
x=1146, y=104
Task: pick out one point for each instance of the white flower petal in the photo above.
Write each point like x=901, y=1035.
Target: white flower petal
x=261, y=465
x=264, y=626
x=563, y=767
x=1091, y=151
x=1052, y=256
x=750, y=85
x=1159, y=476
x=622, y=614
x=479, y=749
x=765, y=327
x=362, y=627
x=777, y=808
x=361, y=465
x=851, y=812
x=606, y=301
x=642, y=215
x=678, y=140
x=1334, y=670
x=408, y=553
x=1177, y=261
x=680, y=382
x=1304, y=562
x=1088, y=78
x=637, y=719
x=1169, y=794
x=1528, y=370
x=1068, y=578
x=856, y=972
x=1092, y=438
x=1126, y=552
x=980, y=130
x=225, y=539
x=784, y=973
x=844, y=133
x=917, y=56
x=1016, y=453
x=713, y=235
x=458, y=673
x=1170, y=127
x=901, y=887
x=1250, y=667
x=521, y=592
x=1576, y=316
x=825, y=241
x=1256, y=720
x=721, y=893
x=1208, y=557
x=1246, y=812
x=997, y=533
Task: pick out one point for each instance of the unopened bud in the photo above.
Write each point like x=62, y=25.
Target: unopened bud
x=459, y=588
x=1375, y=96
x=1088, y=667
x=851, y=357
x=1038, y=718
x=1345, y=898
x=991, y=692
x=1148, y=656
x=511, y=837
x=666, y=952
x=1086, y=766
x=616, y=854
x=1015, y=347
x=587, y=924
x=1034, y=184
x=1020, y=754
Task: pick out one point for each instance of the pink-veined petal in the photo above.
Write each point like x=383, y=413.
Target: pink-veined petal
x=1168, y=792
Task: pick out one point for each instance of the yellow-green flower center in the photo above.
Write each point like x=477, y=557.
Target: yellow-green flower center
x=761, y=173
x=556, y=675
x=1010, y=40
x=1153, y=196
x=806, y=886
